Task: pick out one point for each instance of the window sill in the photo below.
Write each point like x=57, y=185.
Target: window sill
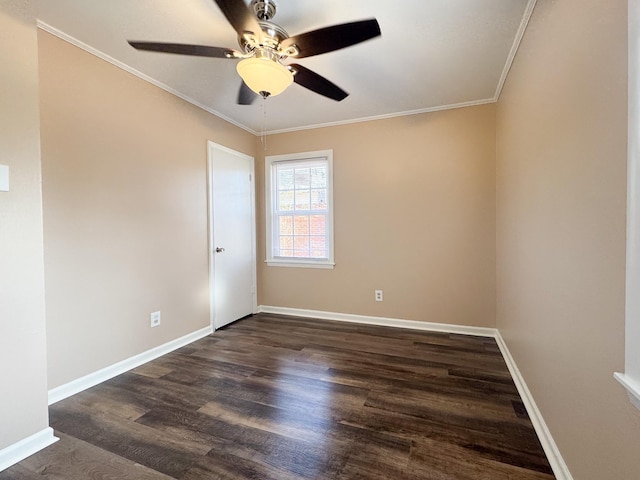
x=300, y=264
x=632, y=386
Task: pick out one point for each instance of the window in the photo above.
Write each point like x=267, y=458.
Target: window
x=631, y=376
x=299, y=199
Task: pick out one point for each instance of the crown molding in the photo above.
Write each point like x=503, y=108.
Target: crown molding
x=514, y=48
x=385, y=116
x=103, y=56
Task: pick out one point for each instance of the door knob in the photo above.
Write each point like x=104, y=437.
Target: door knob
x=219, y=250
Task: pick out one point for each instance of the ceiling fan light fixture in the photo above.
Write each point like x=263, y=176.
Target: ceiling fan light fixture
x=264, y=76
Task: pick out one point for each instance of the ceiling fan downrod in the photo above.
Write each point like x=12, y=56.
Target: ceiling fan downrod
x=265, y=10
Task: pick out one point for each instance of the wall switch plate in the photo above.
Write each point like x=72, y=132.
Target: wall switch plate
x=155, y=318
x=4, y=178
x=378, y=295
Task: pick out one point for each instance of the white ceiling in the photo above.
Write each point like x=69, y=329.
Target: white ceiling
x=432, y=54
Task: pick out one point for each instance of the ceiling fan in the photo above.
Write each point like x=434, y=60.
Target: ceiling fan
x=264, y=45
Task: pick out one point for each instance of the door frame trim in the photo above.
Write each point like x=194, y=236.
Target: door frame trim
x=211, y=148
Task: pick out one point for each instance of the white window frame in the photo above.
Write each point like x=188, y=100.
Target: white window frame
x=630, y=379
x=269, y=210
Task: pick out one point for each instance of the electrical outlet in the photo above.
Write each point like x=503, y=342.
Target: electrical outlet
x=155, y=318
x=378, y=295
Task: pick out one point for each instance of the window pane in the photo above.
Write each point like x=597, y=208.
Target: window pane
x=286, y=253
x=301, y=243
x=319, y=177
x=285, y=178
x=317, y=224
x=286, y=225
x=303, y=199
x=318, y=199
x=318, y=247
x=301, y=225
x=285, y=200
x=286, y=242
x=300, y=246
x=303, y=178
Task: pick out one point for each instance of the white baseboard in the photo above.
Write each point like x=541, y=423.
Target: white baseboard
x=92, y=379
x=560, y=469
x=380, y=321
x=25, y=448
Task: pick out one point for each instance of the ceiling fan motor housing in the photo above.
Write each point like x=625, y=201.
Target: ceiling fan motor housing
x=272, y=34
x=265, y=10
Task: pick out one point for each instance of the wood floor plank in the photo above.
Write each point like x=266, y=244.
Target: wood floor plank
x=226, y=466
x=161, y=391
x=378, y=458
x=285, y=389
x=515, y=444
x=276, y=397
x=111, y=401
x=268, y=418
x=129, y=440
x=483, y=415
x=74, y=459
x=153, y=370
x=444, y=461
x=293, y=455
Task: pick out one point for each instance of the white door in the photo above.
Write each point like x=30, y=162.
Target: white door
x=232, y=235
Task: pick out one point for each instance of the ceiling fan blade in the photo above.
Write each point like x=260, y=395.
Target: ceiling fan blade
x=332, y=38
x=240, y=17
x=317, y=83
x=246, y=96
x=184, y=49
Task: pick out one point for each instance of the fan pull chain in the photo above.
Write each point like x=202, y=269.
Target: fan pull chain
x=263, y=135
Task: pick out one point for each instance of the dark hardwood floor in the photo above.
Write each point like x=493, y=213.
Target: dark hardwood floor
x=274, y=397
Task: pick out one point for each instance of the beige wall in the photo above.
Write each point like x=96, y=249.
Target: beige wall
x=125, y=222
x=125, y=210
x=561, y=194
x=414, y=216
x=23, y=397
